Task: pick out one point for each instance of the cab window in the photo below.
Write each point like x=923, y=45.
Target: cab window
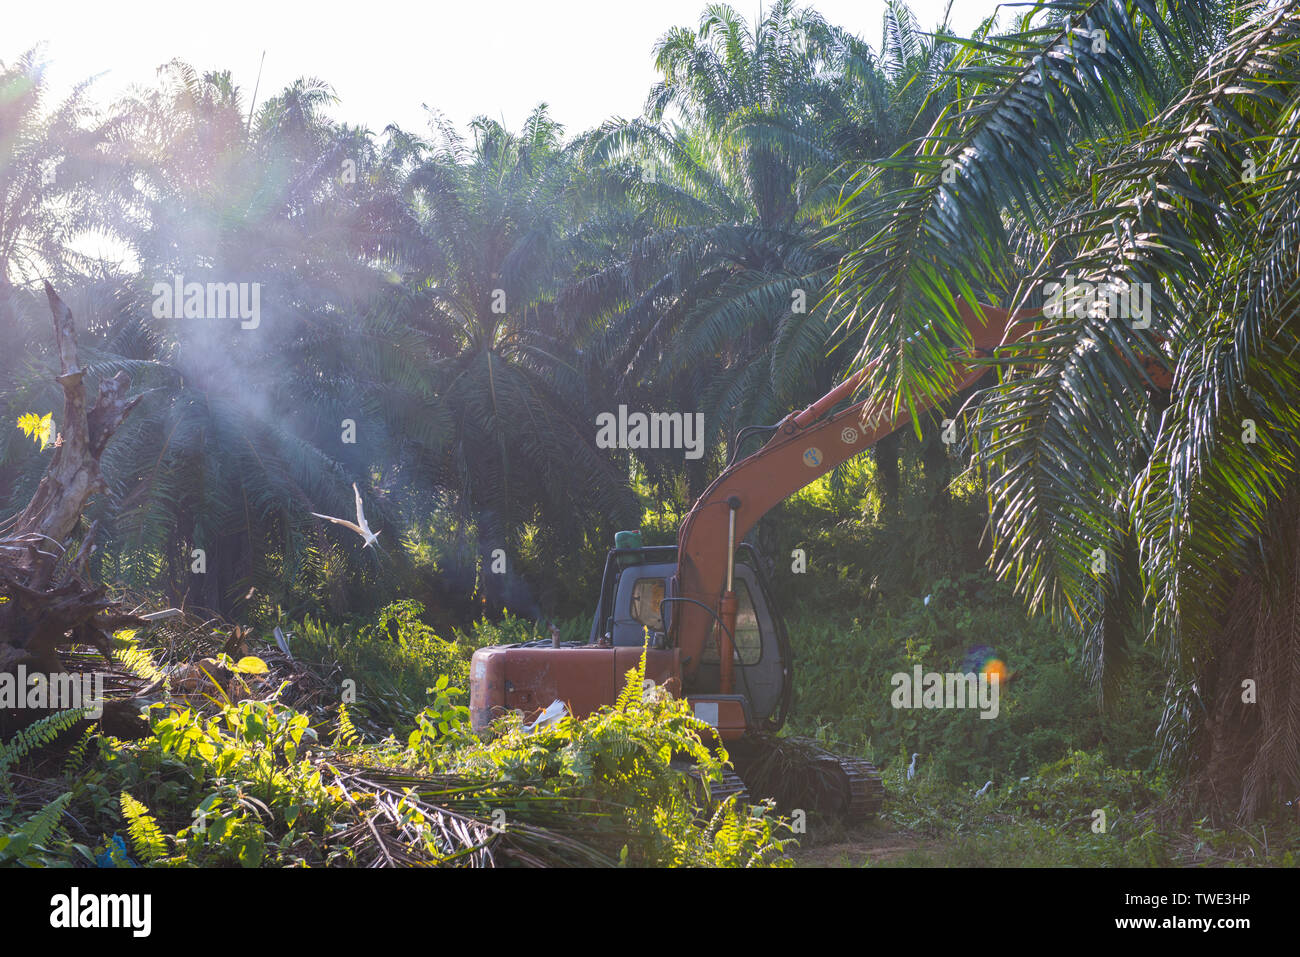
x=749, y=640
x=647, y=596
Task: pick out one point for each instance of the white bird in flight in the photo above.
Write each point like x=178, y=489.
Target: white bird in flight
x=984, y=790
x=360, y=526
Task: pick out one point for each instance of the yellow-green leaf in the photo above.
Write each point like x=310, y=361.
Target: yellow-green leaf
x=251, y=665
x=38, y=428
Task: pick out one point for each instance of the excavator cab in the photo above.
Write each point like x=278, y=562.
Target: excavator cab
x=639, y=592
x=638, y=595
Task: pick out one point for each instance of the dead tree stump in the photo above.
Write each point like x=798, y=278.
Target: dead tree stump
x=45, y=600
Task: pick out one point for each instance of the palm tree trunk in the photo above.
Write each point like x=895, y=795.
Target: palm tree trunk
x=1249, y=745
x=887, y=451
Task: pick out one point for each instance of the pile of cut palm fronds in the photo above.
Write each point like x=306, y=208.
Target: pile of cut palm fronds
x=405, y=820
x=185, y=641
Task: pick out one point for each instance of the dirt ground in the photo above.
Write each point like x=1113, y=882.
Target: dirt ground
x=872, y=845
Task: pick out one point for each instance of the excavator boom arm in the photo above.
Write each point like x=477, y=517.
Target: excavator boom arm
x=806, y=446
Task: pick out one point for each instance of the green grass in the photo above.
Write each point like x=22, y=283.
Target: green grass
x=1049, y=820
x=1047, y=710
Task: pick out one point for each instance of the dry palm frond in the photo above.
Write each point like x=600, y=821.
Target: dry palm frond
x=447, y=820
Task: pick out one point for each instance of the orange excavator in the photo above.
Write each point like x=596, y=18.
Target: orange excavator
x=714, y=633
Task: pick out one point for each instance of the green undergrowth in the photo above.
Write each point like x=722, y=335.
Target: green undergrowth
x=393, y=658
x=1047, y=709
x=392, y=774
x=258, y=783
x=1077, y=811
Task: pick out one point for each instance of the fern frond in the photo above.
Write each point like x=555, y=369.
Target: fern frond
x=77, y=756
x=146, y=837
x=35, y=735
x=139, y=661
x=41, y=825
x=38, y=829
x=633, y=688
x=346, y=733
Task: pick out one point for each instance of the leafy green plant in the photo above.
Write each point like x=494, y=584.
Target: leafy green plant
x=394, y=659
x=230, y=788
x=629, y=761
x=443, y=723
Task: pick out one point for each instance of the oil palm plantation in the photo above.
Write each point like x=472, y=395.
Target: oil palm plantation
x=515, y=451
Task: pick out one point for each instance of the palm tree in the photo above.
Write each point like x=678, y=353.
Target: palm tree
x=58, y=176
x=718, y=297
x=737, y=165
x=1152, y=150
x=59, y=179
x=516, y=444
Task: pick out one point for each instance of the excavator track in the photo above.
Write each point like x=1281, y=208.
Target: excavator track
x=730, y=784
x=866, y=790
x=718, y=791
x=800, y=774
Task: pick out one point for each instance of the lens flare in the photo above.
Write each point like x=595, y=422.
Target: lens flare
x=995, y=666
x=984, y=661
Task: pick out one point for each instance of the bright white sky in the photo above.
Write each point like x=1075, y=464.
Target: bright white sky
x=589, y=59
